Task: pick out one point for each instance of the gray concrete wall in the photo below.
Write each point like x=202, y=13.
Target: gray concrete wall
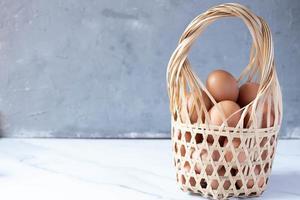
x=96, y=68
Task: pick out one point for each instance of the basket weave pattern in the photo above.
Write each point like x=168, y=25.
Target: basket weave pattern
x=221, y=161
x=214, y=173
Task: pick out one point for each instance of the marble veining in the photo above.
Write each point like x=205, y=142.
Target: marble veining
x=114, y=169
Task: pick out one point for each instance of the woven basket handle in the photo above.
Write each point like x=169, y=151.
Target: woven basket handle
x=261, y=57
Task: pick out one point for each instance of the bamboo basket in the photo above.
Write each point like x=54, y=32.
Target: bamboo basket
x=204, y=163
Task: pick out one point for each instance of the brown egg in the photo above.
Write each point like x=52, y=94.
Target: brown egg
x=264, y=122
x=222, y=86
x=229, y=107
x=247, y=93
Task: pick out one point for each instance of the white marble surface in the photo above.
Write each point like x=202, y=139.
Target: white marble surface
x=63, y=169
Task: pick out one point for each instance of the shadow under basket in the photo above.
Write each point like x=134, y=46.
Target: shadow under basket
x=220, y=161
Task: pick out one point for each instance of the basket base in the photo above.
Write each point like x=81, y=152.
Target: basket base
x=217, y=196
x=207, y=165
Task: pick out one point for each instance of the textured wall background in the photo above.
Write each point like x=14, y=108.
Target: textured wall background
x=72, y=68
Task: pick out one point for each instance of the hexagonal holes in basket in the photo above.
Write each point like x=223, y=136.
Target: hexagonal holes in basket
x=173, y=132
x=215, y=155
x=223, y=141
x=263, y=142
x=197, y=168
x=199, y=138
x=203, y=183
x=193, y=153
x=203, y=154
x=182, y=151
x=242, y=156
x=264, y=154
x=238, y=184
x=187, y=166
x=272, y=140
x=267, y=167
x=192, y=181
x=233, y=171
x=250, y=142
x=272, y=152
x=250, y=183
x=209, y=169
x=226, y=184
x=214, y=184
x=175, y=116
x=182, y=179
x=261, y=182
x=221, y=170
x=175, y=147
x=257, y=169
x=210, y=139
x=188, y=136
x=236, y=142
x=228, y=156
x=178, y=134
